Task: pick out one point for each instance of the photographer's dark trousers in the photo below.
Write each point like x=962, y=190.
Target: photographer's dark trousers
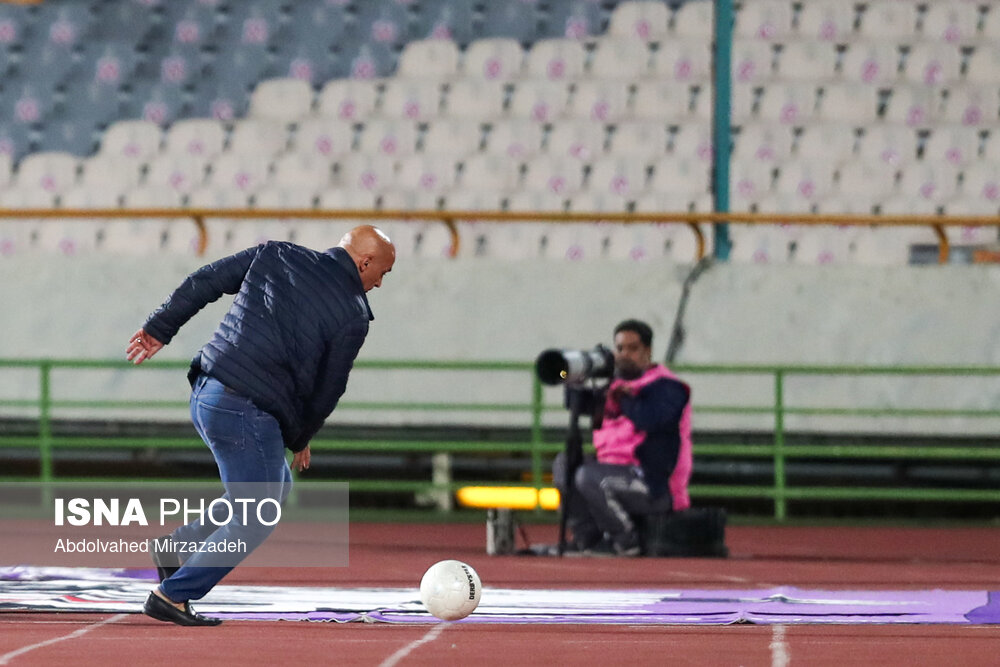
x=606, y=499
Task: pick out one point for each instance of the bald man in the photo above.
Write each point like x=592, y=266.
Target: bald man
x=271, y=374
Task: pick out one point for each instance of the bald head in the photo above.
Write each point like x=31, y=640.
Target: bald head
x=372, y=251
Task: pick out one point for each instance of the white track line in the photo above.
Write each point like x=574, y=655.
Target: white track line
x=780, y=656
x=7, y=657
x=394, y=659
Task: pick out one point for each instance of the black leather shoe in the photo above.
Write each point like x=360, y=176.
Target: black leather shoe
x=166, y=562
x=158, y=608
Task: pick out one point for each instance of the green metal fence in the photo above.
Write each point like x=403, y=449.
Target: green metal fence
x=767, y=418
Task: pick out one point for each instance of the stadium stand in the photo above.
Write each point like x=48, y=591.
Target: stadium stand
x=892, y=106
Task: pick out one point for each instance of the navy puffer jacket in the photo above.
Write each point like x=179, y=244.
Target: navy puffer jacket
x=291, y=336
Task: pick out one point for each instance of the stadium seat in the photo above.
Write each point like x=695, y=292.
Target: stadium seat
x=808, y=60
x=156, y=102
x=743, y=103
x=555, y=59
x=426, y=173
x=496, y=59
x=259, y=137
x=445, y=19
x=557, y=174
x=429, y=59
x=647, y=20
x=367, y=172
x=753, y=61
x=474, y=234
x=990, y=31
x=285, y=99
x=294, y=195
x=347, y=99
x=410, y=99
x=827, y=142
x=527, y=240
x=984, y=62
x=581, y=140
x=826, y=21
x=233, y=172
x=767, y=143
x=452, y=136
x=106, y=174
x=52, y=172
x=642, y=141
x=981, y=186
x=199, y=137
x=302, y=171
x=933, y=63
x=176, y=173
x=930, y=183
x=866, y=184
x=670, y=240
x=875, y=63
x=479, y=99
x=683, y=180
x=308, y=60
x=326, y=137
x=389, y=137
x=619, y=59
x=687, y=60
x=510, y=20
x=540, y=101
x=792, y=103
x=914, y=106
x=892, y=21
x=693, y=19
x=218, y=99
x=490, y=172
x=971, y=105
x=951, y=22
x=137, y=140
x=616, y=178
x=952, y=144
x=576, y=19
x=849, y=102
x=517, y=138
x=764, y=19
x=601, y=101
x=748, y=184
x=889, y=144
x=693, y=140
x=662, y=100
x=803, y=182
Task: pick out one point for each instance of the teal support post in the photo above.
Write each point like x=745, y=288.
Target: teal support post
x=721, y=139
x=780, y=506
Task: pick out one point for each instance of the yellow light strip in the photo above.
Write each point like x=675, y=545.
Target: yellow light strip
x=508, y=497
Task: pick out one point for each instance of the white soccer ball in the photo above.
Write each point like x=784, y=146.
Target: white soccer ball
x=450, y=590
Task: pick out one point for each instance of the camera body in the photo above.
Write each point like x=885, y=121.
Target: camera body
x=574, y=367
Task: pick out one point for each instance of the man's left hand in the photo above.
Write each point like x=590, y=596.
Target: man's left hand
x=301, y=460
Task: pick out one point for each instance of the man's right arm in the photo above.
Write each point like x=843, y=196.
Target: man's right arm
x=202, y=287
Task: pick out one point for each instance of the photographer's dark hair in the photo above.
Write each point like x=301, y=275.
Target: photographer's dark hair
x=643, y=330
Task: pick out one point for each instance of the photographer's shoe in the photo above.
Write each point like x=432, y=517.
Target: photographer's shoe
x=628, y=547
x=166, y=562
x=158, y=608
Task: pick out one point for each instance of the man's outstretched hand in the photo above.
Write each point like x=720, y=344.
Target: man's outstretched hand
x=141, y=346
x=300, y=461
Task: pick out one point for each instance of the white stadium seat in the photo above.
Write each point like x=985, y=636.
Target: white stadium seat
x=348, y=99
x=198, y=137
x=888, y=144
x=109, y=174
x=367, y=172
x=830, y=142
x=258, y=137
x=984, y=62
x=646, y=20
x=952, y=144
x=302, y=170
x=176, y=175
x=283, y=99
x=791, y=103
x=764, y=19
x=559, y=175
x=324, y=137
x=688, y=60
x=972, y=105
x=752, y=61
x=619, y=59
x=933, y=63
x=803, y=182
x=410, y=99
x=50, y=171
x=479, y=99
x=889, y=20
x=693, y=19
x=541, y=101
x=640, y=140
x=493, y=59
x=951, y=22
x=452, y=136
x=490, y=172
x=684, y=179
x=556, y=59
x=517, y=138
x=600, y=100
x=429, y=58
x=929, y=182
x=875, y=63
x=830, y=21
x=582, y=140
x=914, y=106
x=390, y=137
x=764, y=142
x=807, y=59
x=133, y=139
x=661, y=100
x=618, y=177
x=232, y=172
x=426, y=173
x=866, y=183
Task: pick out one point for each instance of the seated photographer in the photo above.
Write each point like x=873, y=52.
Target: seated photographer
x=643, y=445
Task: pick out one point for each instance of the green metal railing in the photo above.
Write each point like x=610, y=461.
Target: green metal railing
x=776, y=408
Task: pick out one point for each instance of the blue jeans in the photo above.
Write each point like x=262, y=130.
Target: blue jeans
x=247, y=445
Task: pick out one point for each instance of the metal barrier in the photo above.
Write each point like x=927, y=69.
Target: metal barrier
x=530, y=413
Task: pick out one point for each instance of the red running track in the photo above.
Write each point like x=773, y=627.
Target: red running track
x=396, y=555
